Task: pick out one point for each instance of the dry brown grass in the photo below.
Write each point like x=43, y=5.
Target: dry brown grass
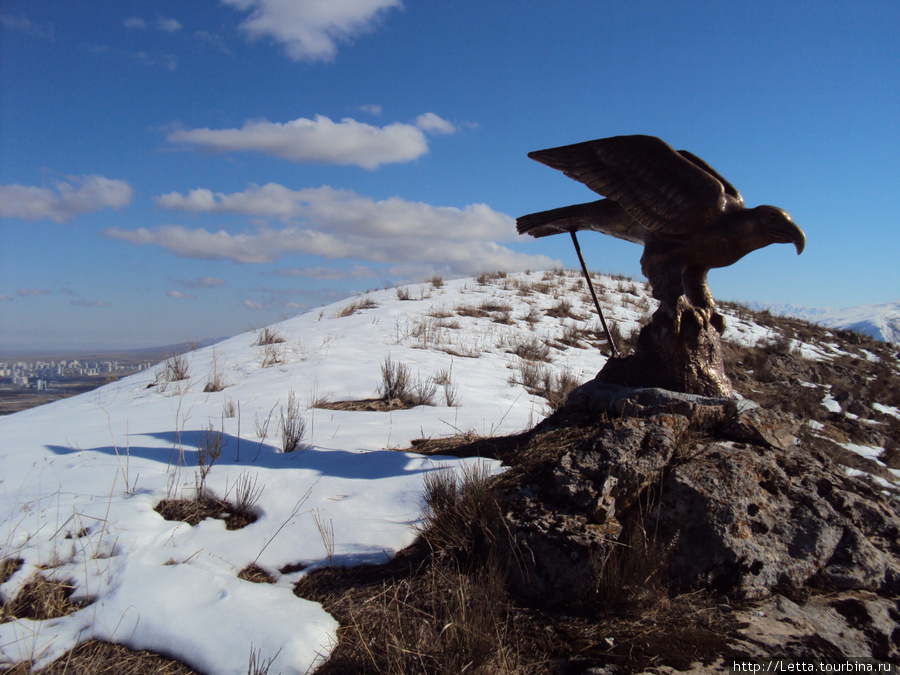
x=256, y=574
x=531, y=349
x=8, y=567
x=443, y=605
x=192, y=511
x=104, y=658
x=439, y=607
x=356, y=306
x=268, y=336
x=39, y=599
x=174, y=369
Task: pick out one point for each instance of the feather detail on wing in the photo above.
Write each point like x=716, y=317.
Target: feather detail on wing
x=601, y=216
x=665, y=192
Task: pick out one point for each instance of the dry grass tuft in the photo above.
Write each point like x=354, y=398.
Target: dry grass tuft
x=531, y=349
x=561, y=310
x=40, y=599
x=461, y=513
x=174, y=369
x=356, y=306
x=192, y=511
x=216, y=381
x=256, y=574
x=8, y=567
x=104, y=658
x=268, y=336
x=292, y=425
x=443, y=610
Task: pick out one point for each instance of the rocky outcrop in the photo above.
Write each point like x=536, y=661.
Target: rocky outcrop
x=730, y=498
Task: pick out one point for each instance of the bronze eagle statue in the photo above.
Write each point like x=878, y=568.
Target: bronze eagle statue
x=687, y=216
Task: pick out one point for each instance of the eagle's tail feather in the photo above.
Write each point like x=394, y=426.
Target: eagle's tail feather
x=554, y=221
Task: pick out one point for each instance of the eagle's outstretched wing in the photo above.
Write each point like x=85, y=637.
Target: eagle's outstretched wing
x=603, y=216
x=665, y=192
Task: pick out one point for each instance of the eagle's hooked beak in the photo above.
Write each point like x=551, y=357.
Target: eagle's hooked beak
x=787, y=232
x=797, y=237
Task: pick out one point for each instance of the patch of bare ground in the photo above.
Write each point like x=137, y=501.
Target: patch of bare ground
x=104, y=658
x=367, y=405
x=445, y=605
x=859, y=372
x=192, y=511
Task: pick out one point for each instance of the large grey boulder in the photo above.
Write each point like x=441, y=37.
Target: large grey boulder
x=724, y=490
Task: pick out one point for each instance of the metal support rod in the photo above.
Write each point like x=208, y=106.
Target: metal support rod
x=587, y=277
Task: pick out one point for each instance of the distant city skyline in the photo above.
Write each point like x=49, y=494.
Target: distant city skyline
x=178, y=171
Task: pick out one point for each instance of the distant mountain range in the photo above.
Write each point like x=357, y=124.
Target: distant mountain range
x=881, y=321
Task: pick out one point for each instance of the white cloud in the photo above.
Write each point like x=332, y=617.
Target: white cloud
x=32, y=292
x=328, y=209
x=311, y=29
x=161, y=23
x=320, y=140
x=250, y=304
x=168, y=25
x=434, y=124
x=322, y=273
x=22, y=24
x=81, y=194
x=341, y=224
x=371, y=109
x=178, y=295
x=202, y=282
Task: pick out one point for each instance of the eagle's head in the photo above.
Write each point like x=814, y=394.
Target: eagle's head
x=775, y=226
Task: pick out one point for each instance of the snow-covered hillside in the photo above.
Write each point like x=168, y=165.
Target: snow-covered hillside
x=881, y=321
x=81, y=476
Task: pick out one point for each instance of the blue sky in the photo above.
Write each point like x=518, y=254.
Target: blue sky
x=173, y=170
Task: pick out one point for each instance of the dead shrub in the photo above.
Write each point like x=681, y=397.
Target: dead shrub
x=423, y=393
x=462, y=513
x=487, y=277
x=469, y=310
x=530, y=375
x=209, y=449
x=292, y=425
x=531, y=349
x=216, y=381
x=489, y=306
x=572, y=335
x=561, y=310
x=174, y=369
x=632, y=574
x=504, y=318
x=557, y=389
x=268, y=336
x=396, y=380
x=271, y=356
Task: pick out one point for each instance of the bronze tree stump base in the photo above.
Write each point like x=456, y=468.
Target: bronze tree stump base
x=679, y=350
